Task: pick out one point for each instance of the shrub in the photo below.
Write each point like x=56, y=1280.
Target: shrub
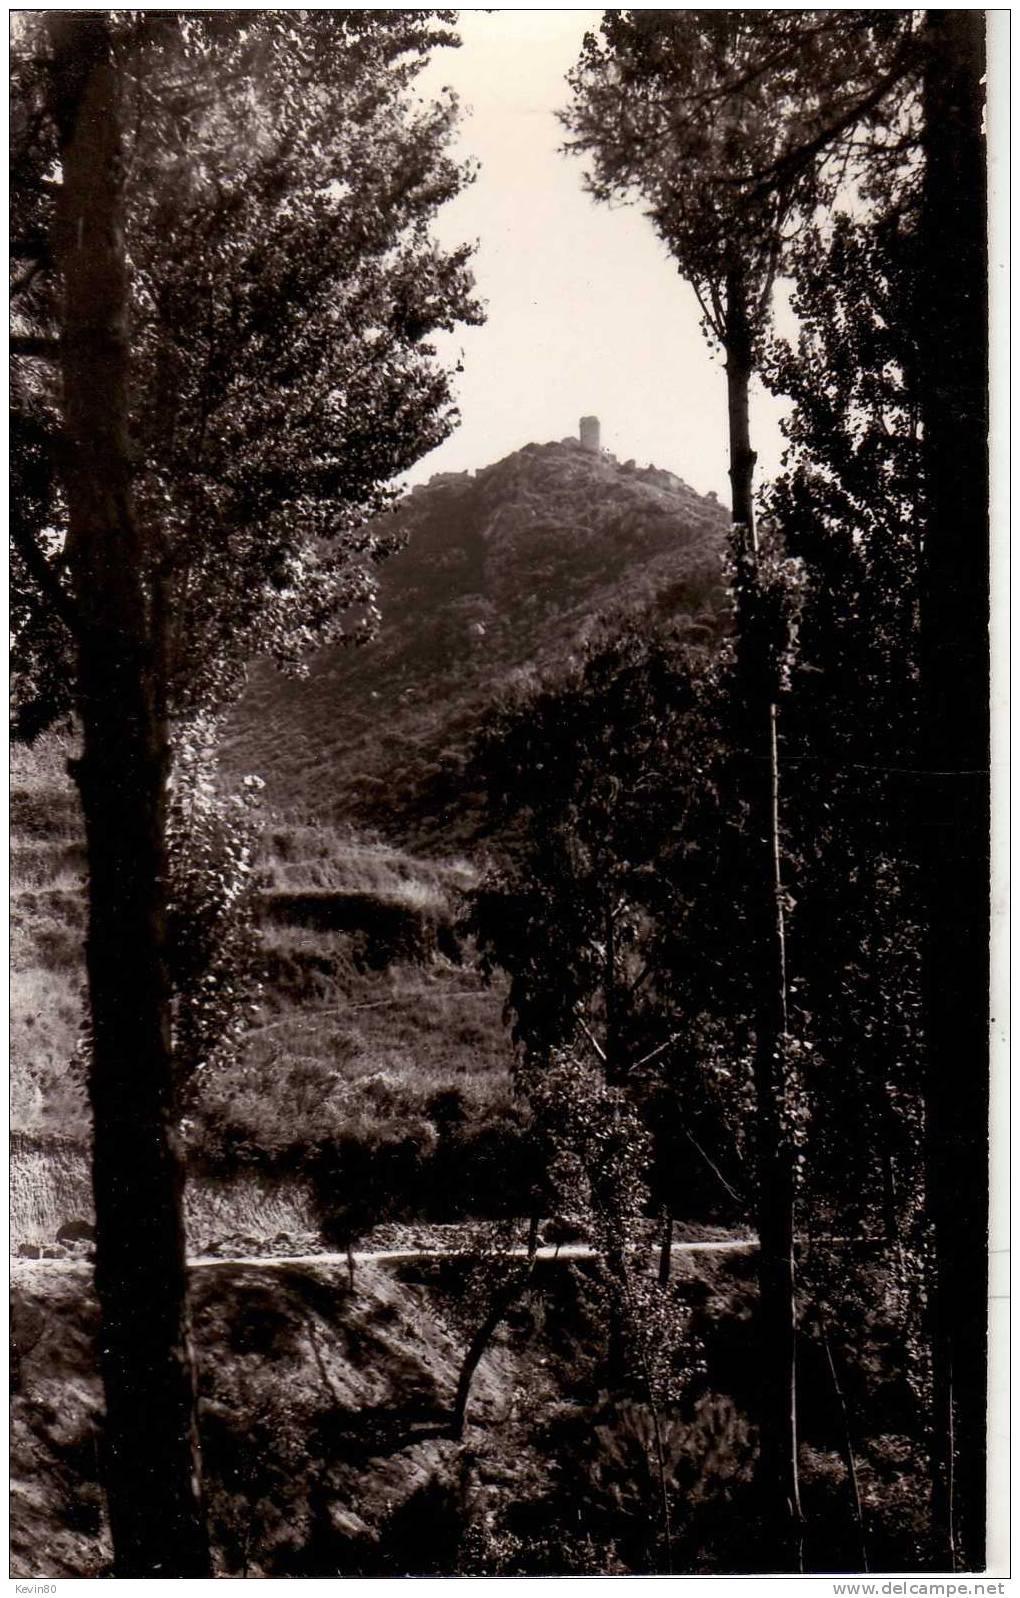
x=368, y=1175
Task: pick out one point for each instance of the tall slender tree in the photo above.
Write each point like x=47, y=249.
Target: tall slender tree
x=731, y=128
x=889, y=493
x=848, y=503
x=191, y=493
x=955, y=756
x=151, y=1459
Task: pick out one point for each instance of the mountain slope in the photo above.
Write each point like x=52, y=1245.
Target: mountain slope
x=505, y=573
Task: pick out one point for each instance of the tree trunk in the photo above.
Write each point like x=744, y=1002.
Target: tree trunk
x=660, y=1470
x=778, y=1477
x=955, y=763
x=737, y=345
x=150, y=1454
x=484, y=1335
x=666, y=1251
x=473, y=1357
x=613, y=1060
x=503, y=1302
x=533, y=1236
x=890, y=1207
x=846, y=1443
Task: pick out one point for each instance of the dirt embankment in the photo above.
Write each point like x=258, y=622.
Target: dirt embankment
x=324, y=1416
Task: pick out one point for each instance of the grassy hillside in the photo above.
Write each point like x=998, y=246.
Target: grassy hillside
x=503, y=576
x=369, y=1026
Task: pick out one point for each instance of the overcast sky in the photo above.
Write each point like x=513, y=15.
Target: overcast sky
x=586, y=314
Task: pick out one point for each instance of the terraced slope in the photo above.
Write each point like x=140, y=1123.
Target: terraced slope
x=369, y=1024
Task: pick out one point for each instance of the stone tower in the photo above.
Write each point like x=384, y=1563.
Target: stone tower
x=590, y=433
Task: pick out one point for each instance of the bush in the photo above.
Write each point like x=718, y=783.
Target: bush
x=369, y=1175
x=488, y=1169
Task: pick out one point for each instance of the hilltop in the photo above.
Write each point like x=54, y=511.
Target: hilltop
x=503, y=575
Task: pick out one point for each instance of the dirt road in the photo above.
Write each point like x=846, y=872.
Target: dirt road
x=393, y=1256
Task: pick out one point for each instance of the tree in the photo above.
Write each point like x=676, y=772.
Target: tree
x=601, y=1157
x=598, y=881
x=584, y=777
x=733, y=127
x=151, y=1460
x=887, y=504
x=953, y=349
x=728, y=125
x=848, y=506
x=496, y=1281
x=174, y=510
x=729, y=252
x=623, y=936
x=291, y=322
x=280, y=182
x=41, y=674
x=213, y=839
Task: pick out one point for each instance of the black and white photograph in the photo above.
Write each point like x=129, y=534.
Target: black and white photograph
x=506, y=1007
